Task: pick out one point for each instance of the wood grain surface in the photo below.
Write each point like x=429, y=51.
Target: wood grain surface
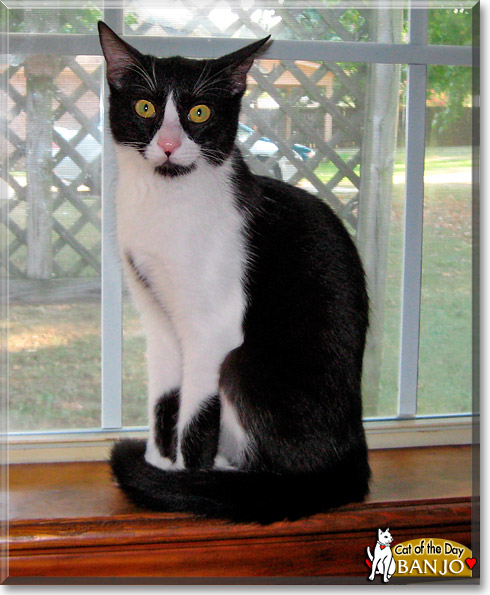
x=69, y=520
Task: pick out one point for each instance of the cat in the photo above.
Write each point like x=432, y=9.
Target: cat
x=253, y=299
x=382, y=559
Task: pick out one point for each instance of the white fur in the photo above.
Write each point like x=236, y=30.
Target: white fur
x=185, y=236
x=186, y=154
x=382, y=560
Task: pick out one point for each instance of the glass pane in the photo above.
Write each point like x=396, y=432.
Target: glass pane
x=450, y=26
x=445, y=339
x=81, y=17
x=52, y=171
x=135, y=378
x=310, y=124
x=282, y=19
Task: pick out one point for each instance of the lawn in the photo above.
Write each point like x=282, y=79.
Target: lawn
x=55, y=349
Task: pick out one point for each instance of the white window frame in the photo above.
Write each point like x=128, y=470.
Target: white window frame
x=406, y=428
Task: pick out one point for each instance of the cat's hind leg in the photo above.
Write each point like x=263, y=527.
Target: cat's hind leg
x=200, y=407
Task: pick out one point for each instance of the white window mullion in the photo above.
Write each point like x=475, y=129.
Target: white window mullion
x=413, y=224
x=111, y=404
x=281, y=49
x=111, y=407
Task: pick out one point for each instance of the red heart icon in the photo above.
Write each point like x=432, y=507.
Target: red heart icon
x=368, y=562
x=470, y=562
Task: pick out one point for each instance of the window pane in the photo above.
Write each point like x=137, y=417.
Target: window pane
x=54, y=190
x=80, y=18
x=445, y=338
x=135, y=378
x=281, y=19
x=311, y=124
x=450, y=26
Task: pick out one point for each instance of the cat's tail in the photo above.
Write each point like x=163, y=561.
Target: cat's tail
x=370, y=556
x=238, y=496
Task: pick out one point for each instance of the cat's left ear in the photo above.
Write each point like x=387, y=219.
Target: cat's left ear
x=119, y=55
x=240, y=62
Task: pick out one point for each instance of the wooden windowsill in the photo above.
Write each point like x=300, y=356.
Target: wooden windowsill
x=69, y=520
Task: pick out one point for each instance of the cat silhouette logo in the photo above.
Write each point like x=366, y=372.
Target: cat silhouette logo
x=381, y=561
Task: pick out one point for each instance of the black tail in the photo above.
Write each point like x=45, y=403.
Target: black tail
x=238, y=496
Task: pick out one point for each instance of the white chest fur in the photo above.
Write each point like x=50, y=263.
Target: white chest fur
x=185, y=235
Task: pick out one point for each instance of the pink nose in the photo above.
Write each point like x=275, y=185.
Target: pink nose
x=169, y=142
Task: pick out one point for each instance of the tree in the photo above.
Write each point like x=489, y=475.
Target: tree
x=450, y=27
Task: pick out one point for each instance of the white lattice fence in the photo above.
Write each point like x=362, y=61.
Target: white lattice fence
x=71, y=165
x=300, y=107
x=327, y=173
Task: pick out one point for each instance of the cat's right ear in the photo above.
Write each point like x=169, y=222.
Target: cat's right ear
x=119, y=55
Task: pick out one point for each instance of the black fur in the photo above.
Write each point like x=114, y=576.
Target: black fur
x=139, y=275
x=173, y=170
x=128, y=85
x=166, y=416
x=239, y=496
x=295, y=381
x=200, y=438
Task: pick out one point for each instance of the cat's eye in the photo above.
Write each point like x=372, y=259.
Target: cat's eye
x=144, y=108
x=199, y=114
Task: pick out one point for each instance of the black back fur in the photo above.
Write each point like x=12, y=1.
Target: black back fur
x=295, y=381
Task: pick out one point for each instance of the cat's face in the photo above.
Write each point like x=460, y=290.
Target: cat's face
x=384, y=537
x=175, y=112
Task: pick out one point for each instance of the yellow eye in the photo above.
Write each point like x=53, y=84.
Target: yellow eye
x=144, y=108
x=199, y=114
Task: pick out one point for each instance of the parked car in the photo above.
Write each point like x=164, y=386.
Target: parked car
x=89, y=149
x=264, y=148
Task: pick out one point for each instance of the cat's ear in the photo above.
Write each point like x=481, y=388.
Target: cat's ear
x=380, y=533
x=119, y=55
x=239, y=63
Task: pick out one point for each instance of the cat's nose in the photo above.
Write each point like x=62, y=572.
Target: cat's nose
x=169, y=143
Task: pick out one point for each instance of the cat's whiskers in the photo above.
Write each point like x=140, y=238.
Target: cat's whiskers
x=211, y=86
x=200, y=78
x=213, y=154
x=142, y=87
x=141, y=71
x=153, y=70
x=211, y=81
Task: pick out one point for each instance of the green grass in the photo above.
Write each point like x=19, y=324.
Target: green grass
x=437, y=160
x=54, y=366
x=445, y=342
x=55, y=350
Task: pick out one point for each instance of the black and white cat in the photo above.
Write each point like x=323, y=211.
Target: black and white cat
x=253, y=299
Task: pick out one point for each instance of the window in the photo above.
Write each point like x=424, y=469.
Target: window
x=346, y=103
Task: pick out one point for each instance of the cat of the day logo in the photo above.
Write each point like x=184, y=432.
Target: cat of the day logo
x=424, y=557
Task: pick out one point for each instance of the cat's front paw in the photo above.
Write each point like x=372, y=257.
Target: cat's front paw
x=153, y=457
x=221, y=462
